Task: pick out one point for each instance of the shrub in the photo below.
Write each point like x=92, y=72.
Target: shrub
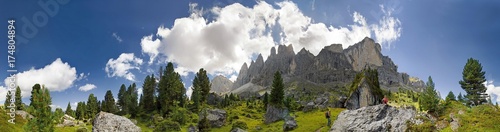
x=167, y=125
x=81, y=129
x=179, y=116
x=239, y=124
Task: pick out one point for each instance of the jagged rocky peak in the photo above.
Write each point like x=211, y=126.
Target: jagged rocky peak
x=286, y=50
x=363, y=54
x=242, y=76
x=221, y=85
x=259, y=60
x=273, y=51
x=337, y=48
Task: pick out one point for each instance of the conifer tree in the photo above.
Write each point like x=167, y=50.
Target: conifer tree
x=42, y=120
x=8, y=100
x=121, y=98
x=109, y=103
x=69, y=111
x=19, y=101
x=429, y=99
x=277, y=91
x=132, y=100
x=472, y=82
x=92, y=106
x=148, y=92
x=450, y=97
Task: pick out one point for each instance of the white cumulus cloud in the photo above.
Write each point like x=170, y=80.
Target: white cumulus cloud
x=493, y=91
x=121, y=66
x=57, y=76
x=237, y=33
x=189, y=92
x=87, y=87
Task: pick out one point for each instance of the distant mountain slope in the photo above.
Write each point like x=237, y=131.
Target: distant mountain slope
x=333, y=65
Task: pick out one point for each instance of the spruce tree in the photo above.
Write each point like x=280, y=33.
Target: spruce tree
x=58, y=114
x=460, y=98
x=472, y=83
x=69, y=111
x=132, y=100
x=81, y=110
x=195, y=97
x=201, y=83
x=19, y=101
x=92, y=106
x=450, y=97
x=429, y=99
x=169, y=90
x=266, y=100
x=148, y=92
x=121, y=99
x=277, y=91
x=42, y=120
x=109, y=102
x=8, y=100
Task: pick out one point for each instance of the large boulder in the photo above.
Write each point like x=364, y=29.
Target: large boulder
x=24, y=114
x=216, y=117
x=68, y=121
x=238, y=130
x=107, y=122
x=289, y=124
x=193, y=128
x=274, y=114
x=373, y=119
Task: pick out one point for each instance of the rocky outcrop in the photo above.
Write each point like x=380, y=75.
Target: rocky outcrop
x=289, y=124
x=364, y=53
x=221, y=85
x=107, y=122
x=242, y=77
x=216, y=117
x=274, y=114
x=364, y=95
x=373, y=119
x=332, y=65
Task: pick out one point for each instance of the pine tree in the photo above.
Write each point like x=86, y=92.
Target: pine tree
x=81, y=109
x=92, y=106
x=132, y=100
x=8, y=100
x=169, y=90
x=451, y=97
x=148, y=92
x=42, y=120
x=429, y=99
x=121, y=99
x=58, y=114
x=204, y=123
x=266, y=100
x=472, y=83
x=109, y=102
x=195, y=97
x=201, y=83
x=460, y=98
x=69, y=111
x=277, y=91
x=18, y=97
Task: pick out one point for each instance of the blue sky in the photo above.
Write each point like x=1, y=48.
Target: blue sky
x=90, y=47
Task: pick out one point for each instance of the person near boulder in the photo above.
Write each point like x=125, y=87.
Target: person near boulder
x=327, y=115
x=385, y=100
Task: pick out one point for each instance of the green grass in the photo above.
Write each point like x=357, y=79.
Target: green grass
x=9, y=127
x=307, y=121
x=72, y=129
